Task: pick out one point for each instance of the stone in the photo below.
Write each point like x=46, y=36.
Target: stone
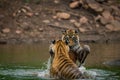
x=37, y=14
x=83, y=20
x=6, y=30
x=77, y=24
x=57, y=24
x=40, y=29
x=54, y=17
x=104, y=20
x=56, y=1
x=46, y=21
x=110, y=27
x=82, y=30
x=97, y=17
x=29, y=14
x=74, y=4
x=27, y=8
x=72, y=20
x=116, y=25
x=107, y=15
x=97, y=25
x=23, y=10
x=63, y=15
x=94, y=5
x=18, y=31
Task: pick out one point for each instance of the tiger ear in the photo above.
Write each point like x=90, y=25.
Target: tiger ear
x=63, y=32
x=53, y=41
x=76, y=31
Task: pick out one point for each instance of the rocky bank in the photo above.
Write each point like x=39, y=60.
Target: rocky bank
x=37, y=21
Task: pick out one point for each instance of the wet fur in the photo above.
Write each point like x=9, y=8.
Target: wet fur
x=62, y=66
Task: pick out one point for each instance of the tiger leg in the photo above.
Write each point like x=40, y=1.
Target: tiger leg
x=83, y=54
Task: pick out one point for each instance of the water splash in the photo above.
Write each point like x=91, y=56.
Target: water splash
x=46, y=73
x=25, y=72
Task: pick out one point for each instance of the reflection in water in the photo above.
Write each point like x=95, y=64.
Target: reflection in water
x=34, y=56
x=23, y=54
x=101, y=53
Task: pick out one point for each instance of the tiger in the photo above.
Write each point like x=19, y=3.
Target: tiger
x=77, y=52
x=62, y=66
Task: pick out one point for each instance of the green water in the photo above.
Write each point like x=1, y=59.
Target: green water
x=22, y=62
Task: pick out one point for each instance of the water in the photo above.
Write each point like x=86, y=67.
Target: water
x=29, y=62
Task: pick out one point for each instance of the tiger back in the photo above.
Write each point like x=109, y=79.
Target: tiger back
x=62, y=66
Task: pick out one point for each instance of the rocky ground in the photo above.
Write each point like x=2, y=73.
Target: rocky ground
x=36, y=21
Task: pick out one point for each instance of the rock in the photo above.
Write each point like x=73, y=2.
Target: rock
x=115, y=8
x=104, y=20
x=57, y=24
x=40, y=29
x=74, y=4
x=83, y=20
x=116, y=25
x=32, y=34
x=82, y=30
x=27, y=8
x=63, y=15
x=46, y=21
x=23, y=10
x=97, y=17
x=110, y=27
x=107, y=15
x=77, y=24
x=6, y=30
x=54, y=17
x=36, y=14
x=97, y=25
x=94, y=5
x=29, y=14
x=56, y=1
x=18, y=31
x=72, y=20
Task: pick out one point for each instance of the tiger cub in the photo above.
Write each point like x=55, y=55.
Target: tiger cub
x=77, y=52
x=62, y=66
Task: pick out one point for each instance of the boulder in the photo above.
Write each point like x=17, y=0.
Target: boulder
x=107, y=15
x=110, y=27
x=29, y=14
x=104, y=21
x=18, y=31
x=83, y=20
x=72, y=20
x=94, y=5
x=114, y=26
x=63, y=15
x=74, y=4
x=46, y=21
x=82, y=30
x=77, y=24
x=6, y=30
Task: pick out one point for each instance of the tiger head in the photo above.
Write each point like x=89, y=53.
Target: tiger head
x=70, y=36
x=58, y=47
